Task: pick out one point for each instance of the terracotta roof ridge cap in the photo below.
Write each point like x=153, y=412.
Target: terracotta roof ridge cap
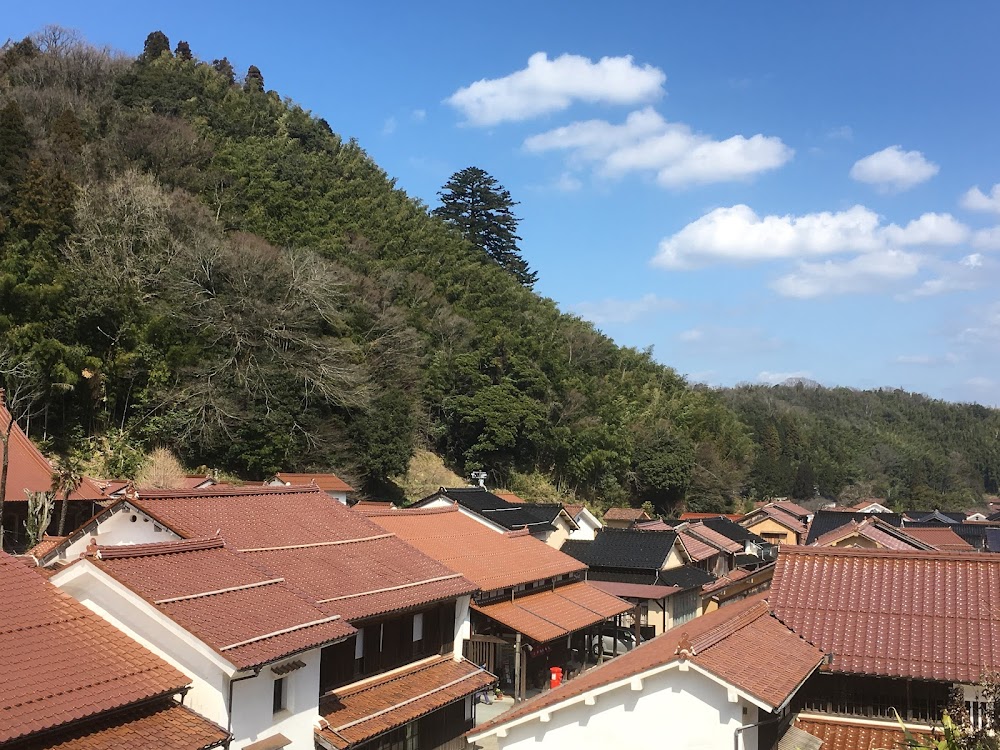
x=516, y=533
x=370, y=684
x=727, y=628
x=152, y=493
x=196, y=544
x=915, y=554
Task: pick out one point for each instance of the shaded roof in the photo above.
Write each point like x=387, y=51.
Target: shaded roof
x=164, y=724
x=625, y=514
x=696, y=548
x=685, y=576
x=842, y=734
x=70, y=664
x=941, y=537
x=508, y=515
x=798, y=739
x=973, y=532
x=791, y=508
x=698, y=516
x=635, y=590
x=732, y=530
x=776, y=514
x=338, y=557
x=360, y=712
x=242, y=611
x=713, y=538
x=993, y=540
x=464, y=545
x=555, y=613
x=326, y=482
x=741, y=644
x=922, y=615
x=827, y=520
x=28, y=469
x=882, y=534
x=624, y=548
x=944, y=516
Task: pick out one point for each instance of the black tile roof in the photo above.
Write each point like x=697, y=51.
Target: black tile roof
x=994, y=517
x=825, y=521
x=993, y=540
x=577, y=548
x=732, y=530
x=686, y=576
x=930, y=515
x=535, y=517
x=626, y=549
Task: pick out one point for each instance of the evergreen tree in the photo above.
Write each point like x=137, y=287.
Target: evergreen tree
x=480, y=208
x=156, y=44
x=226, y=68
x=183, y=51
x=254, y=80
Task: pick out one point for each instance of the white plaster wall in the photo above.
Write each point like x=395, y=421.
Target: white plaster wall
x=120, y=529
x=588, y=528
x=208, y=682
x=253, y=716
x=463, y=625
x=562, y=531
x=676, y=558
x=676, y=710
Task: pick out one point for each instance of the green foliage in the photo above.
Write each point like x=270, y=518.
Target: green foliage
x=481, y=209
x=156, y=45
x=183, y=51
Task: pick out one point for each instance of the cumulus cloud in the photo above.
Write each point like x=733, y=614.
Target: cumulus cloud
x=894, y=169
x=678, y=156
x=987, y=239
x=864, y=273
x=622, y=311
x=975, y=199
x=546, y=86
x=738, y=234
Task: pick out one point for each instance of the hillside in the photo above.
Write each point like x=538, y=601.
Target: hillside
x=191, y=261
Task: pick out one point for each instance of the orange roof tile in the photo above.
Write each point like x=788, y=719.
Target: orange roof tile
x=363, y=711
x=699, y=516
x=165, y=725
x=554, y=613
x=742, y=644
x=326, y=482
x=942, y=538
x=488, y=559
x=70, y=664
x=840, y=734
x=625, y=514
x=46, y=545
x=714, y=538
x=877, y=531
x=29, y=469
x=922, y=615
x=697, y=549
x=573, y=510
x=245, y=613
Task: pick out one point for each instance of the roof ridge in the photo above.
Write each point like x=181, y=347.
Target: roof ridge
x=917, y=554
x=158, y=548
x=723, y=630
x=371, y=684
x=152, y=493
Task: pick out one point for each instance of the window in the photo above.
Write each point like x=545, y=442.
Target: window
x=280, y=695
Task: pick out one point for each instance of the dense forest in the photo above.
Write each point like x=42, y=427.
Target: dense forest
x=188, y=260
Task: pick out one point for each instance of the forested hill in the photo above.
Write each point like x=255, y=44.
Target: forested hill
x=189, y=260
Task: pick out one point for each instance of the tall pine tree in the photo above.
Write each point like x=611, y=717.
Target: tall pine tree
x=480, y=208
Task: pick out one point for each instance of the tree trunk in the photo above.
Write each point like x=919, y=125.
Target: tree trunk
x=62, y=514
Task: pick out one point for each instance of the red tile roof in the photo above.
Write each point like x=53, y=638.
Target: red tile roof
x=365, y=710
x=46, y=545
x=245, y=613
x=714, y=538
x=29, y=469
x=165, y=725
x=792, y=508
x=550, y=614
x=844, y=734
x=70, y=664
x=697, y=549
x=573, y=510
x=741, y=644
x=326, y=482
x=699, y=516
x=942, y=538
x=488, y=559
x=737, y=574
x=778, y=515
x=625, y=514
x=635, y=590
x=884, y=535
x=922, y=615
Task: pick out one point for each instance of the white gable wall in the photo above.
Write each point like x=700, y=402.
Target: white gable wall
x=674, y=709
x=126, y=526
x=589, y=526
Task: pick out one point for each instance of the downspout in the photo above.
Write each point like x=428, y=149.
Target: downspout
x=229, y=703
x=741, y=729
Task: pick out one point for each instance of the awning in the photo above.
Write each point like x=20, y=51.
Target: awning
x=356, y=714
x=636, y=590
x=551, y=614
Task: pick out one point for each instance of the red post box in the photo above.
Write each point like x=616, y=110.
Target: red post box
x=556, y=677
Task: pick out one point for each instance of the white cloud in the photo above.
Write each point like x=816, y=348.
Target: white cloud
x=929, y=360
x=389, y=126
x=894, y=169
x=864, y=273
x=972, y=261
x=622, y=311
x=567, y=183
x=729, y=339
x=975, y=200
x=987, y=239
x=929, y=229
x=418, y=115
x=774, y=378
x=646, y=142
x=693, y=334
x=842, y=133
x=738, y=234
x=546, y=86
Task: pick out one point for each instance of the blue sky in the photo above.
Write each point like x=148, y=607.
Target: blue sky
x=755, y=190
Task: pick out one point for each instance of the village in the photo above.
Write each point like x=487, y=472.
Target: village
x=288, y=615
